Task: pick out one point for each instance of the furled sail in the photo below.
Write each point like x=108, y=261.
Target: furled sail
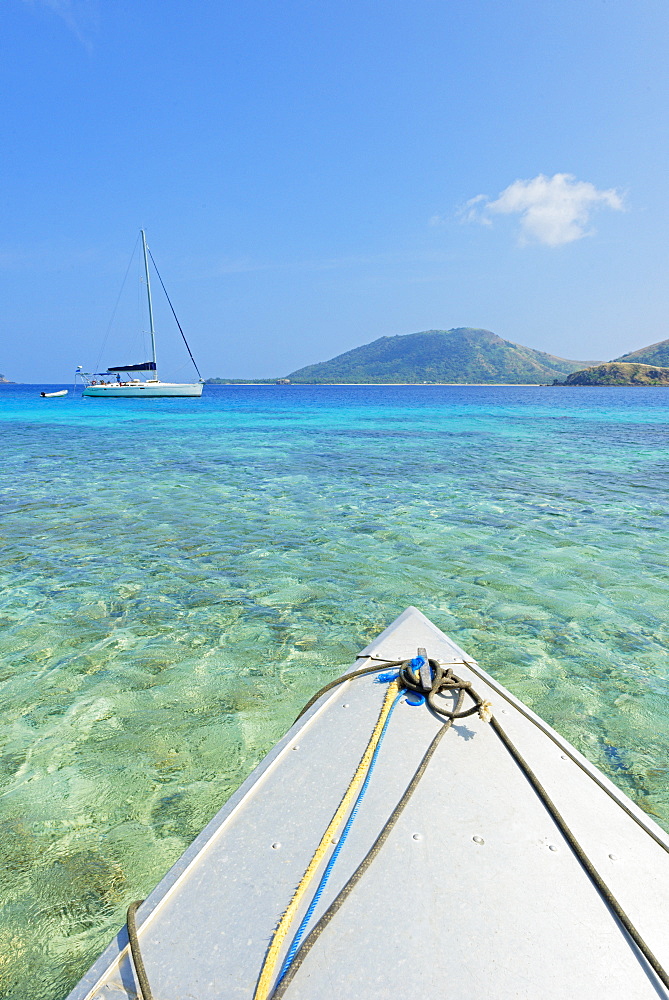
x=148, y=366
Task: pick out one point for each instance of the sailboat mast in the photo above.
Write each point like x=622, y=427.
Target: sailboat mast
x=148, y=292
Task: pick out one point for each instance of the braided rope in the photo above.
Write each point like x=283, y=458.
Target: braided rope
x=263, y=987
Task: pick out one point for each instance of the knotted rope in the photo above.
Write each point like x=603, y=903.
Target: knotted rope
x=427, y=679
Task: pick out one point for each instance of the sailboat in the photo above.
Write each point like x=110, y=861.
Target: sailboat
x=139, y=380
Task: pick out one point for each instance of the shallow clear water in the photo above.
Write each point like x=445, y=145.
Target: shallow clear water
x=177, y=577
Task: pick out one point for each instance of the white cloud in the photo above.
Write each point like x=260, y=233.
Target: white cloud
x=553, y=210
x=81, y=16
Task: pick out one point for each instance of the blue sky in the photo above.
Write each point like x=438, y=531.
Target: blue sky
x=314, y=175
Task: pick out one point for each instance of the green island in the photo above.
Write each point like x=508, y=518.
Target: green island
x=460, y=356
x=619, y=373
x=469, y=356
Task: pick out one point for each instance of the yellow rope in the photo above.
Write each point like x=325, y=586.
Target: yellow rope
x=265, y=980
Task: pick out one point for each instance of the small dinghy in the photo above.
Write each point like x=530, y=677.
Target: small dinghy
x=418, y=833
x=52, y=395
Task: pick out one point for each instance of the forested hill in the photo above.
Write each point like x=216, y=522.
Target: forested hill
x=460, y=355
x=655, y=354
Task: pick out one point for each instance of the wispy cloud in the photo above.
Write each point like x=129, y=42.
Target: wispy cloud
x=82, y=17
x=553, y=210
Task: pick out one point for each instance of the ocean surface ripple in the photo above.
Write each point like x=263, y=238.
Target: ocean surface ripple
x=177, y=577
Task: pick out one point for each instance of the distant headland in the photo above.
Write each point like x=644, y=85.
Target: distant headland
x=618, y=373
x=468, y=356
x=647, y=366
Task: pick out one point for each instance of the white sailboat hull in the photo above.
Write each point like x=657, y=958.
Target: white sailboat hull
x=144, y=390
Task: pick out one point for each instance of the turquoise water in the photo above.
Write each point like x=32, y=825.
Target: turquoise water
x=177, y=577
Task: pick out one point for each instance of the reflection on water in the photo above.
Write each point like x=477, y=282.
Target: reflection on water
x=177, y=577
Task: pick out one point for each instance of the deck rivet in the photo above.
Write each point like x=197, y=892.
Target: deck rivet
x=417, y=836
x=275, y=847
x=614, y=857
x=552, y=847
x=478, y=840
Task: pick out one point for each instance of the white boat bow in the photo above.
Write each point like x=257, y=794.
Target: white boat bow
x=475, y=894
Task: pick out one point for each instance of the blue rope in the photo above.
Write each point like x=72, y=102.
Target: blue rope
x=288, y=961
x=415, y=698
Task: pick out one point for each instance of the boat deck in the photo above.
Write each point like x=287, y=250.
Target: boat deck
x=476, y=894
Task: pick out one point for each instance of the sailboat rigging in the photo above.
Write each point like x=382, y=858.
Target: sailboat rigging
x=140, y=380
